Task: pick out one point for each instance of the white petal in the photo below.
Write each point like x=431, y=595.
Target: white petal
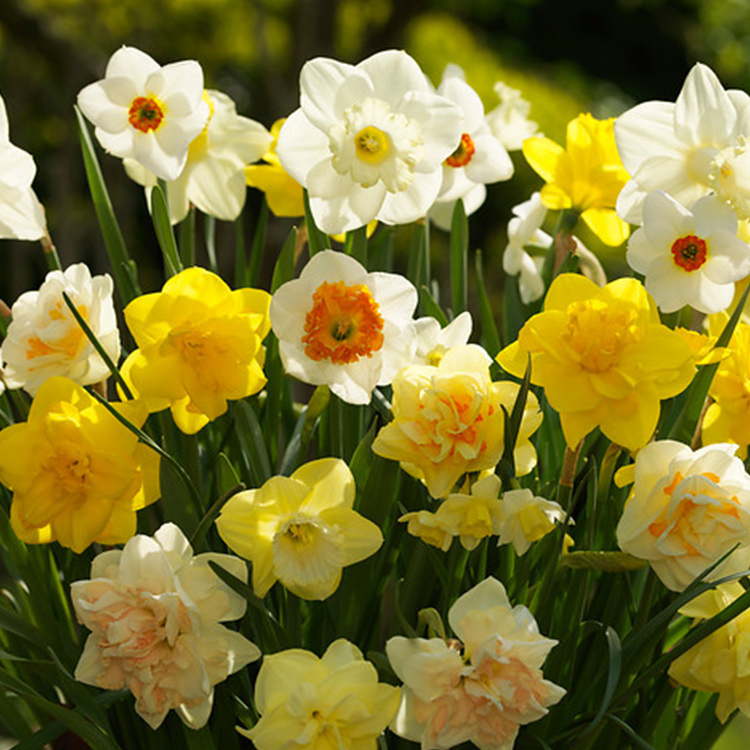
x=728, y=258
x=411, y=204
x=394, y=75
x=183, y=85
x=129, y=62
x=319, y=82
x=467, y=100
x=301, y=146
x=23, y=218
x=644, y=131
x=664, y=219
x=711, y=213
x=490, y=163
x=218, y=189
x=440, y=121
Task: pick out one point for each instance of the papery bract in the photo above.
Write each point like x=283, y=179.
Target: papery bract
x=482, y=693
x=686, y=510
x=448, y=420
x=146, y=112
x=300, y=530
x=199, y=345
x=368, y=141
x=44, y=339
x=77, y=474
x=343, y=327
x=603, y=358
x=311, y=703
x=213, y=178
x=155, y=612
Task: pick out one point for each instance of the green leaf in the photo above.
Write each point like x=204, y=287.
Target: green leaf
x=459, y=245
x=356, y=245
x=429, y=306
x=490, y=337
x=164, y=233
x=614, y=650
x=316, y=239
x=253, y=443
x=284, y=269
x=605, y=562
x=123, y=268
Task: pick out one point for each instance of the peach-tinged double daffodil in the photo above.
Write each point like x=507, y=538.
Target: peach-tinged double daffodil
x=199, y=345
x=77, y=474
x=448, y=420
x=603, y=358
x=300, y=530
x=587, y=175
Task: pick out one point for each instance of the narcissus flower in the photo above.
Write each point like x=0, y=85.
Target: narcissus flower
x=21, y=214
x=283, y=192
x=720, y=663
x=681, y=147
x=146, y=112
x=481, y=690
x=526, y=518
x=686, y=510
x=448, y=420
x=603, y=358
x=479, y=159
x=509, y=121
x=77, y=474
x=200, y=345
x=471, y=516
x=340, y=326
x=368, y=141
x=433, y=342
x=586, y=176
x=300, y=530
x=213, y=178
x=689, y=256
x=44, y=339
x=155, y=612
x=312, y=703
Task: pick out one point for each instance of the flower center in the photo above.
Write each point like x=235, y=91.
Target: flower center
x=689, y=252
x=371, y=145
x=343, y=324
x=68, y=345
x=463, y=154
x=71, y=467
x=145, y=113
x=598, y=333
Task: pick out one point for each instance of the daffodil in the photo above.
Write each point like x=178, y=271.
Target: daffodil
x=44, y=339
x=526, y=518
x=311, y=703
x=283, y=192
x=720, y=662
x=689, y=256
x=300, y=530
x=686, y=147
x=480, y=689
x=603, y=358
x=448, y=420
x=147, y=112
x=368, y=141
x=433, y=342
x=587, y=175
x=155, y=612
x=21, y=214
x=77, y=474
x=340, y=326
x=509, y=120
x=213, y=178
x=199, y=345
x=686, y=510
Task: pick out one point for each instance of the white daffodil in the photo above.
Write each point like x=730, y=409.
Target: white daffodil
x=45, y=339
x=509, y=121
x=368, y=141
x=343, y=327
x=525, y=228
x=479, y=159
x=21, y=214
x=675, y=146
x=689, y=256
x=146, y=112
x=214, y=175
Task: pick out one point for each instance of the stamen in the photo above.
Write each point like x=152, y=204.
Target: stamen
x=145, y=114
x=689, y=252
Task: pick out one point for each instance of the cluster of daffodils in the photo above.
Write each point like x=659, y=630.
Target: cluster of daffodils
x=338, y=441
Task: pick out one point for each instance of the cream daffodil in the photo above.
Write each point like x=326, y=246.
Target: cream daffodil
x=509, y=121
x=526, y=518
x=674, y=146
x=300, y=530
x=340, y=326
x=368, y=141
x=213, y=178
x=147, y=112
x=689, y=256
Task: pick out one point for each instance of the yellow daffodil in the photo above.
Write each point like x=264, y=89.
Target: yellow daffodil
x=300, y=530
x=448, y=420
x=603, y=358
x=586, y=176
x=200, y=345
x=312, y=703
x=526, y=518
x=283, y=192
x=77, y=474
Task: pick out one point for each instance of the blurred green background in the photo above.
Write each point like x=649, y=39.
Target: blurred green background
x=566, y=57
